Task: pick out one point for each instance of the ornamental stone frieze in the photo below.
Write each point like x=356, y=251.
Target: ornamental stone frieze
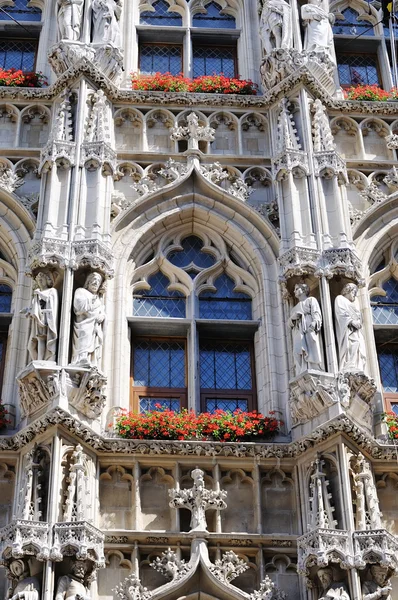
x=79, y=539
x=377, y=546
x=24, y=538
x=298, y=261
x=94, y=254
x=321, y=547
x=61, y=254
x=301, y=260
x=48, y=252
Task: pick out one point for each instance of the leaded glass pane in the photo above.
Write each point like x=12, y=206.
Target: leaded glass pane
x=149, y=404
x=351, y=25
x=357, y=69
x=21, y=12
x=158, y=301
x=225, y=366
x=213, y=17
x=191, y=255
x=160, y=16
x=164, y=58
x=5, y=298
x=388, y=362
x=394, y=408
x=227, y=404
x=213, y=60
x=225, y=303
x=159, y=364
x=385, y=308
x=17, y=54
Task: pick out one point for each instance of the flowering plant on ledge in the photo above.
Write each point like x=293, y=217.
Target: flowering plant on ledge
x=391, y=419
x=208, y=84
x=370, y=93
x=14, y=78
x=165, y=424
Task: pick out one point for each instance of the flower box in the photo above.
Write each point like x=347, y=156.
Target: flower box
x=369, y=93
x=206, y=84
x=222, y=426
x=391, y=419
x=18, y=78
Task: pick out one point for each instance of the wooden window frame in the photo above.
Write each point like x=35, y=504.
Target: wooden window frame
x=141, y=44
x=136, y=392
x=234, y=47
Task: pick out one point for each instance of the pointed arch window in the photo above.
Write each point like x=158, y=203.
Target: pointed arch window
x=159, y=301
x=225, y=302
x=161, y=15
x=5, y=298
x=385, y=308
x=352, y=24
x=213, y=17
x=21, y=10
x=191, y=258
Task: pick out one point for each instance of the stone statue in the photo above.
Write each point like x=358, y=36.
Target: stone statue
x=27, y=588
x=350, y=340
x=106, y=29
x=306, y=322
x=44, y=318
x=276, y=25
x=379, y=586
x=72, y=587
x=318, y=22
x=69, y=18
x=89, y=318
x=330, y=589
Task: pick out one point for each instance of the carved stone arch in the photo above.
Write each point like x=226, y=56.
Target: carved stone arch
x=374, y=131
x=361, y=8
x=9, y=117
x=35, y=126
x=179, y=280
x=347, y=137
x=226, y=136
x=283, y=571
x=159, y=123
x=177, y=6
x=358, y=204
x=244, y=282
x=155, y=513
x=129, y=125
x=378, y=179
x=229, y=7
x=27, y=170
x=127, y=175
x=261, y=184
x=116, y=498
x=254, y=131
x=278, y=502
x=117, y=568
x=239, y=514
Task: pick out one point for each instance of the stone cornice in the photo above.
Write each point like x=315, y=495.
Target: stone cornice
x=301, y=77
x=102, y=444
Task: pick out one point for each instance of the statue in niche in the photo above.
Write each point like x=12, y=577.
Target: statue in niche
x=27, y=588
x=276, y=25
x=318, y=22
x=331, y=590
x=306, y=322
x=69, y=19
x=72, y=587
x=89, y=319
x=350, y=340
x=379, y=586
x=43, y=314
x=106, y=16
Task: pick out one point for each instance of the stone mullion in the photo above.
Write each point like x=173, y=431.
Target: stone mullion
x=328, y=330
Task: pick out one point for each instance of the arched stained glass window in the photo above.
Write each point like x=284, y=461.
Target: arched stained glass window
x=351, y=25
x=161, y=15
x=214, y=18
x=225, y=303
x=21, y=11
x=385, y=308
x=192, y=258
x=5, y=298
x=158, y=301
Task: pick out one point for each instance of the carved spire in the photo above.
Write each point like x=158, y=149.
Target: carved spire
x=287, y=138
x=75, y=503
x=368, y=515
x=321, y=510
x=97, y=129
x=323, y=138
x=62, y=128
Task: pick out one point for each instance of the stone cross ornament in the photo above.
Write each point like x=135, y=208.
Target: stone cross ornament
x=198, y=500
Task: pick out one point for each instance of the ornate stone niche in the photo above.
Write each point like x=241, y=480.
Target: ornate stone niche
x=155, y=513
x=117, y=498
x=239, y=514
x=118, y=567
x=282, y=569
x=278, y=503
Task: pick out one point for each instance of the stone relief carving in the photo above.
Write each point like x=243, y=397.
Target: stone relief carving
x=87, y=392
x=318, y=22
x=89, y=319
x=379, y=586
x=228, y=567
x=24, y=586
x=198, y=500
x=132, y=589
x=193, y=132
x=350, y=340
x=218, y=174
x=276, y=25
x=306, y=322
x=289, y=156
x=373, y=194
x=392, y=141
x=43, y=314
x=105, y=21
x=268, y=591
x=310, y=396
x=170, y=565
x=9, y=180
x=69, y=19
x=73, y=586
x=331, y=589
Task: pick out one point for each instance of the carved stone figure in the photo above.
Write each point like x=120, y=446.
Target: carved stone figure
x=306, y=322
x=27, y=588
x=379, y=586
x=44, y=318
x=72, y=587
x=69, y=18
x=276, y=25
x=350, y=340
x=106, y=29
x=89, y=318
x=330, y=589
x=318, y=21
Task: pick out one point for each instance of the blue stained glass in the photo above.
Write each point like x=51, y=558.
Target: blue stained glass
x=351, y=25
x=160, y=16
x=5, y=298
x=21, y=12
x=149, y=404
x=385, y=308
x=227, y=404
x=394, y=408
x=159, y=364
x=388, y=363
x=191, y=254
x=159, y=301
x=225, y=366
x=225, y=303
x=213, y=18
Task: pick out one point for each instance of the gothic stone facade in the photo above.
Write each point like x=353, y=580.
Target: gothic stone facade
x=203, y=251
